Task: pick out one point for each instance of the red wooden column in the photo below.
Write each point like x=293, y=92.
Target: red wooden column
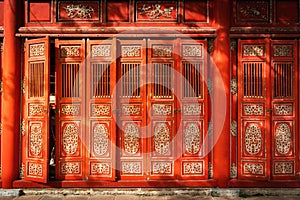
x=11, y=94
x=221, y=94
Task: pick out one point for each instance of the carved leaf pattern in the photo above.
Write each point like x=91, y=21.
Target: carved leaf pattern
x=162, y=139
x=283, y=138
x=70, y=138
x=253, y=139
x=131, y=138
x=100, y=139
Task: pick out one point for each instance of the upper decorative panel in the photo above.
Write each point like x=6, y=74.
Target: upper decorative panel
x=78, y=11
x=253, y=11
x=160, y=11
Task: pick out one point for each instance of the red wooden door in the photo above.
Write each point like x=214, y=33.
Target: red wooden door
x=267, y=106
x=70, y=103
x=36, y=109
x=100, y=106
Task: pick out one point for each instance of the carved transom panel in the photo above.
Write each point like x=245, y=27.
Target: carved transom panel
x=283, y=50
x=70, y=168
x=162, y=109
x=283, y=109
x=79, y=11
x=131, y=51
x=70, y=138
x=253, y=139
x=192, y=168
x=192, y=109
x=100, y=139
x=69, y=51
x=284, y=168
x=253, y=109
x=100, y=169
x=35, y=169
x=254, y=168
x=192, y=50
x=162, y=139
x=131, y=168
x=131, y=138
x=192, y=138
x=253, y=50
x=103, y=50
x=162, y=51
x=163, y=11
x=36, y=50
x=283, y=138
x=36, y=110
x=253, y=11
x=162, y=168
x=100, y=110
x=35, y=139
x=70, y=109
x=131, y=109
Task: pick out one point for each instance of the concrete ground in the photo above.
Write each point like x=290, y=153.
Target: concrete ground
x=152, y=194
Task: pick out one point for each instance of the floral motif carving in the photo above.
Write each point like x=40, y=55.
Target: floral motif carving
x=253, y=109
x=35, y=139
x=70, y=168
x=100, y=110
x=283, y=50
x=192, y=138
x=101, y=50
x=162, y=109
x=100, y=169
x=70, y=138
x=155, y=11
x=22, y=171
x=79, y=11
x=100, y=139
x=36, y=110
x=253, y=50
x=253, y=11
x=131, y=168
x=131, y=109
x=162, y=51
x=36, y=50
x=70, y=109
x=131, y=138
x=253, y=139
x=131, y=51
x=69, y=51
x=254, y=168
x=35, y=169
x=164, y=168
x=210, y=170
x=284, y=109
x=233, y=86
x=233, y=171
x=283, y=138
x=284, y=168
x=162, y=139
x=192, y=168
x=192, y=109
x=233, y=128
x=192, y=50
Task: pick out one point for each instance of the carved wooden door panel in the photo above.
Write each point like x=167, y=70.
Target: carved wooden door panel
x=161, y=107
x=36, y=109
x=192, y=116
x=254, y=109
x=132, y=108
x=284, y=73
x=267, y=106
x=100, y=104
x=70, y=87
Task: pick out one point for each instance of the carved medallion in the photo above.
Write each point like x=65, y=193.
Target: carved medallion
x=162, y=139
x=36, y=50
x=192, y=109
x=192, y=138
x=254, y=168
x=100, y=169
x=283, y=138
x=100, y=139
x=162, y=109
x=70, y=168
x=255, y=109
x=131, y=109
x=35, y=169
x=70, y=138
x=36, y=110
x=131, y=138
x=284, y=168
x=192, y=168
x=283, y=50
x=283, y=109
x=162, y=168
x=253, y=139
x=131, y=168
x=253, y=50
x=162, y=51
x=70, y=109
x=103, y=50
x=35, y=139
